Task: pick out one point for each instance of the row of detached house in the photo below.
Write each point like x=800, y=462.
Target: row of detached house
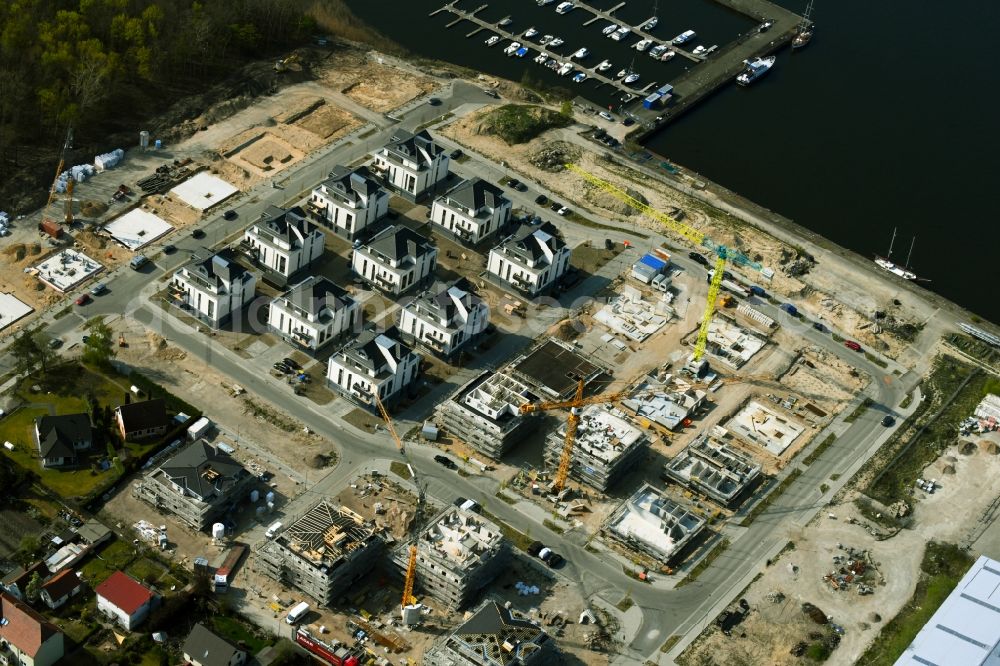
x=313, y=312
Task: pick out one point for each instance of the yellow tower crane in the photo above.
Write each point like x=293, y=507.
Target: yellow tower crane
x=388, y=423
x=693, y=235
x=411, y=574
x=68, y=212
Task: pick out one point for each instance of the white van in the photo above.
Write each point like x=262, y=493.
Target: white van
x=297, y=612
x=272, y=529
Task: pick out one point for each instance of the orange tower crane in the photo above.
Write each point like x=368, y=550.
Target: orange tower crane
x=411, y=574
x=388, y=423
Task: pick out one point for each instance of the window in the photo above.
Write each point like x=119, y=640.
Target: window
x=211, y=308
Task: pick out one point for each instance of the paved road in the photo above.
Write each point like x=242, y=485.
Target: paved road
x=664, y=611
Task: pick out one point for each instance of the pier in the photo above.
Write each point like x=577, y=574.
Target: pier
x=636, y=29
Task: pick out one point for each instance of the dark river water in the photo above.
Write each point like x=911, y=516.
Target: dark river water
x=881, y=122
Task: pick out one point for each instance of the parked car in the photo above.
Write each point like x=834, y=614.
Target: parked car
x=455, y=154
x=535, y=548
x=492, y=93
x=55, y=343
x=281, y=367
x=98, y=289
x=851, y=344
x=291, y=363
x=541, y=200
x=555, y=559
x=607, y=116
x=446, y=461
x=434, y=101
x=138, y=262
x=513, y=183
x=563, y=210
x=888, y=421
x=197, y=233
x=230, y=214
x=819, y=327
x=169, y=249
x=83, y=299
x=555, y=206
x=698, y=258
x=628, y=122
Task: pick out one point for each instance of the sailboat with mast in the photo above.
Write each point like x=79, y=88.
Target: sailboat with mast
x=805, y=31
x=886, y=264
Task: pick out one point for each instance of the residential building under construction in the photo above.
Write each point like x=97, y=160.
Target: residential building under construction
x=652, y=523
x=605, y=448
x=495, y=636
x=714, y=469
x=485, y=413
x=457, y=556
x=323, y=553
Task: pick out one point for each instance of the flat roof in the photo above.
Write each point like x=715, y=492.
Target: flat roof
x=555, y=368
x=603, y=434
x=137, y=228
x=655, y=522
x=67, y=269
x=966, y=628
x=495, y=396
x=11, y=309
x=203, y=190
x=765, y=427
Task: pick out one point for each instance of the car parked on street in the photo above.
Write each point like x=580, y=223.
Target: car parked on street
x=446, y=461
x=851, y=344
x=698, y=258
x=541, y=200
x=83, y=299
x=197, y=233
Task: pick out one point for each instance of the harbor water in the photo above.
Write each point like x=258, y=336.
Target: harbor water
x=880, y=122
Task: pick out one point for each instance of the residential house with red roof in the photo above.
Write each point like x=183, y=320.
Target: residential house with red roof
x=27, y=638
x=124, y=600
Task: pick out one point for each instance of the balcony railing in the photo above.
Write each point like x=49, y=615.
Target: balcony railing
x=302, y=338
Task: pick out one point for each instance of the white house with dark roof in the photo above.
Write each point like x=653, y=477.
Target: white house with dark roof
x=444, y=318
x=349, y=201
x=373, y=363
x=61, y=439
x=472, y=211
x=530, y=259
x=204, y=648
x=283, y=241
x=313, y=313
x=395, y=260
x=213, y=289
x=412, y=164
x=198, y=484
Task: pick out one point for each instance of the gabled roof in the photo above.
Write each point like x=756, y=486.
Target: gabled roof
x=22, y=627
x=144, y=415
x=376, y=350
x=56, y=434
x=526, y=243
x=476, y=194
x=440, y=299
x=497, y=637
x=208, y=649
x=203, y=469
x=352, y=185
x=281, y=223
x=315, y=293
x=416, y=147
x=221, y=267
x=398, y=242
x=62, y=584
x=124, y=592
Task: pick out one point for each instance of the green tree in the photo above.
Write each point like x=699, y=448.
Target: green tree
x=100, y=346
x=33, y=587
x=566, y=110
x=27, y=352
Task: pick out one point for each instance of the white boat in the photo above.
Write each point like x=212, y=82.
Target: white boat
x=668, y=54
x=902, y=271
x=552, y=63
x=546, y=39
x=529, y=33
x=504, y=23
x=621, y=33
x=621, y=74
x=565, y=69
x=493, y=40
x=523, y=51
x=650, y=24
x=699, y=50
x=565, y=7
x=631, y=78
x=684, y=37
x=756, y=68
x=643, y=44
x=765, y=26
x=513, y=46
x=542, y=57
x=557, y=41
x=542, y=3
x=657, y=50
x=579, y=77
x=611, y=27
x=581, y=53
x=603, y=66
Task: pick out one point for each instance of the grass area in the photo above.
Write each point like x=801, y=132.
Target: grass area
x=519, y=539
x=504, y=497
x=625, y=603
x=434, y=121
x=368, y=133
x=235, y=631
x=952, y=391
x=116, y=555
x=942, y=567
x=558, y=529
x=976, y=349
x=907, y=400
x=705, y=563
x=876, y=360
x=62, y=313
x=767, y=501
x=859, y=411
x=576, y=218
x=520, y=123
x=818, y=451
x=669, y=644
x=400, y=470
x=823, y=487
x=144, y=569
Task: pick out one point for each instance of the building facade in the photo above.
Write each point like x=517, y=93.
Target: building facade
x=123, y=600
x=26, y=637
x=142, y=420
x=283, y=242
x=350, y=202
x=495, y=636
x=444, y=318
x=61, y=439
x=412, y=164
x=373, y=363
x=472, y=211
x=395, y=260
x=314, y=313
x=213, y=289
x=198, y=485
x=530, y=260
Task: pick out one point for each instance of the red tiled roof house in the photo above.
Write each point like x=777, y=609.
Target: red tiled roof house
x=25, y=636
x=124, y=600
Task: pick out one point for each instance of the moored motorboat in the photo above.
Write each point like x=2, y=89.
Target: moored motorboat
x=622, y=74
x=565, y=69
x=512, y=47
x=557, y=41
x=657, y=50
x=611, y=27
x=542, y=57
x=755, y=69
x=620, y=34
x=631, y=78
x=684, y=37
x=650, y=24
x=603, y=66
x=579, y=77
x=699, y=50
x=643, y=44
x=523, y=51
x=668, y=54
x=492, y=41
x=565, y=7
x=505, y=22
x=580, y=53
x=529, y=33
